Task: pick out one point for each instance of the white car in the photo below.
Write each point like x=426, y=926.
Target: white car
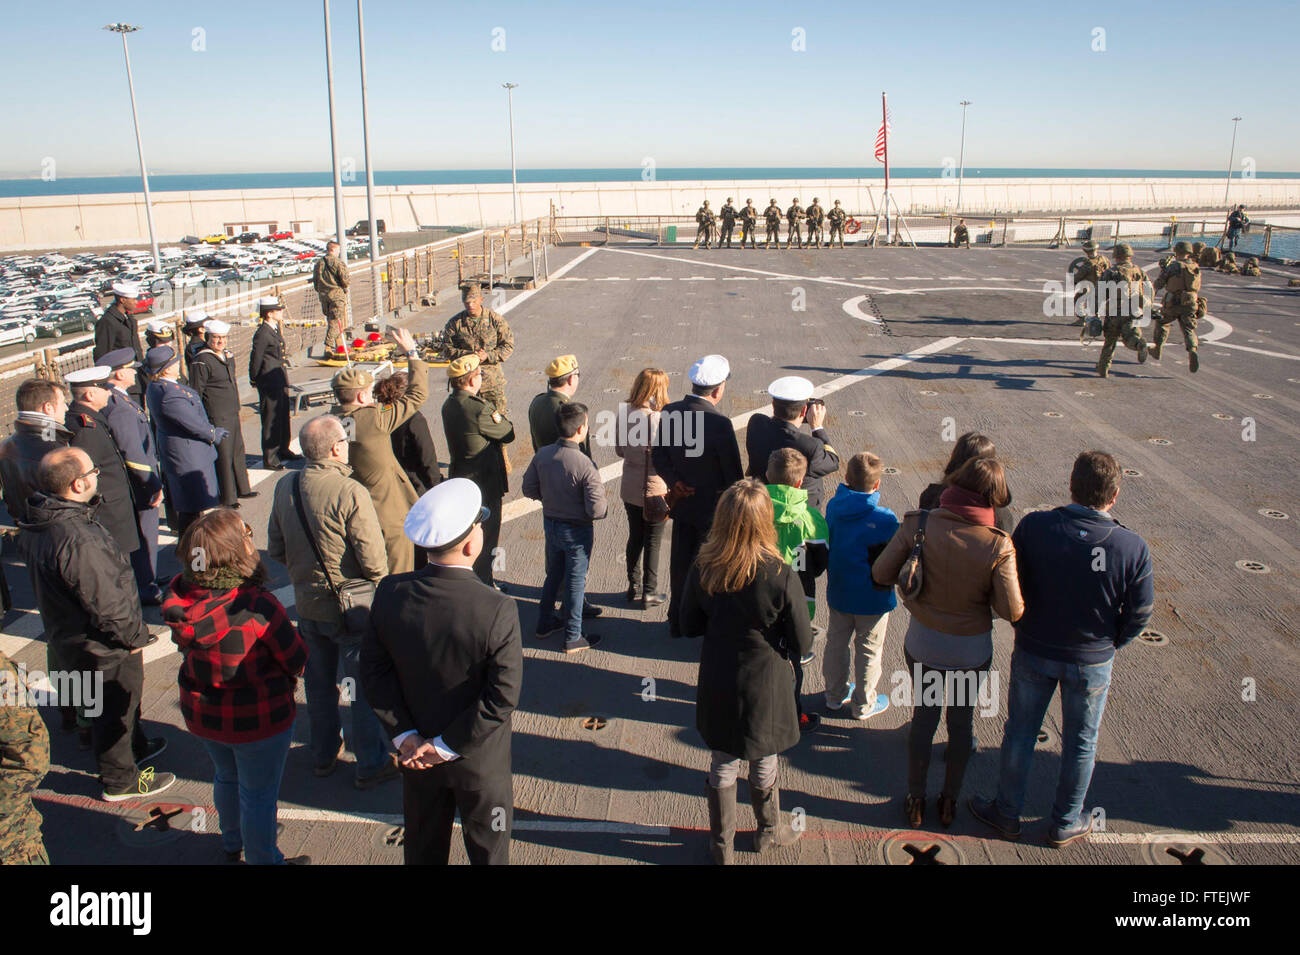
x=17, y=330
x=188, y=278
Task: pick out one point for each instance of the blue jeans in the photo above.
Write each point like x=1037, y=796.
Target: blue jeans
x=246, y=789
x=1083, y=698
x=328, y=647
x=568, y=550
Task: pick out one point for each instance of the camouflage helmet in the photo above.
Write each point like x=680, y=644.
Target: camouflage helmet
x=1197, y=247
x=1123, y=251
x=815, y=199
x=795, y=199
x=773, y=202
x=1252, y=260
x=1182, y=248
x=837, y=202
x=728, y=198
x=749, y=202
x=706, y=202
x=1089, y=246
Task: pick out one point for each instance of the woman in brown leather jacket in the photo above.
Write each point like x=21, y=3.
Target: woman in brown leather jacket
x=969, y=573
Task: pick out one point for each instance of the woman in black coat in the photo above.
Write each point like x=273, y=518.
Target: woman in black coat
x=751, y=610
x=412, y=441
x=972, y=444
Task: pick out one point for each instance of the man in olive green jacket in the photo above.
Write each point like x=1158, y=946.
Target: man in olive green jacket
x=370, y=430
x=476, y=439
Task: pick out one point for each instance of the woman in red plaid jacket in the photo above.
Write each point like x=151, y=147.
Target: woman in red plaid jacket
x=242, y=660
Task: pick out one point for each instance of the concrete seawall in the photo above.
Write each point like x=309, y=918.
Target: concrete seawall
x=115, y=219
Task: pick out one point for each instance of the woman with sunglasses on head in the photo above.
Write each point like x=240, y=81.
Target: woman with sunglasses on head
x=241, y=662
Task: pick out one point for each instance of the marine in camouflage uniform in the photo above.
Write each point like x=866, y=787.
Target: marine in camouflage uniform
x=728, y=216
x=1251, y=267
x=1121, y=301
x=1086, y=271
x=1229, y=264
x=748, y=219
x=1181, y=280
x=836, y=217
x=24, y=761
x=704, y=232
x=330, y=280
x=960, y=234
x=477, y=330
x=772, y=217
x=1207, y=258
x=793, y=216
x=816, y=216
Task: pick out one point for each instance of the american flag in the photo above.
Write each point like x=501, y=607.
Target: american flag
x=884, y=131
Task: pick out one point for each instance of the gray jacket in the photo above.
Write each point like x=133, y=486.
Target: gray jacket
x=346, y=529
x=566, y=482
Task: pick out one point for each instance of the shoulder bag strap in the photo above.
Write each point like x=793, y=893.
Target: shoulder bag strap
x=296, y=492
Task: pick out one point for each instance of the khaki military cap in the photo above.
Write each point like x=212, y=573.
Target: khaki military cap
x=353, y=378
x=462, y=366
x=562, y=366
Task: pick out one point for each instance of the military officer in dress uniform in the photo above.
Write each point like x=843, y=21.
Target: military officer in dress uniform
x=135, y=440
x=158, y=331
x=699, y=469
x=266, y=372
x=476, y=439
x=194, y=343
x=117, y=328
x=212, y=375
x=748, y=220
x=562, y=376
x=793, y=405
x=477, y=330
x=91, y=433
x=187, y=440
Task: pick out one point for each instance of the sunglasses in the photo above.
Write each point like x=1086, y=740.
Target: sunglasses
x=82, y=477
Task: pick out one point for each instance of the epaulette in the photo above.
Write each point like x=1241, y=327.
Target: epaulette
x=86, y=420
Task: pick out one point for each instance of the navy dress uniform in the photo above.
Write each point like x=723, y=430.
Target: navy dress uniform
x=187, y=440
x=212, y=375
x=194, y=343
x=767, y=434
x=442, y=664
x=157, y=332
x=117, y=329
x=696, y=452
x=134, y=439
x=267, y=373
x=91, y=433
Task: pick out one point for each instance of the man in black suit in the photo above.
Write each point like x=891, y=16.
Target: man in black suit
x=697, y=456
x=441, y=665
x=793, y=404
x=117, y=328
x=267, y=373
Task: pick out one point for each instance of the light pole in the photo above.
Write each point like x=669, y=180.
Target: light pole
x=514, y=181
x=124, y=29
x=334, y=139
x=1232, y=154
x=961, y=162
x=370, y=175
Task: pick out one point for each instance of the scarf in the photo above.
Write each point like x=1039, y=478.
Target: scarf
x=967, y=505
x=218, y=578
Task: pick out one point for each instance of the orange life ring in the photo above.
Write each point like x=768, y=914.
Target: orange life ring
x=852, y=226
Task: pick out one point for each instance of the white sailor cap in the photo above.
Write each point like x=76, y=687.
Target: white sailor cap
x=269, y=303
x=215, y=326
x=445, y=514
x=791, y=388
x=195, y=318
x=159, y=326
x=97, y=375
x=710, y=371
x=126, y=289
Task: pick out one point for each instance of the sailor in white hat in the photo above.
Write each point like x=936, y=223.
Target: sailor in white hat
x=117, y=329
x=212, y=374
x=697, y=455
x=267, y=372
x=441, y=666
x=194, y=322
x=792, y=405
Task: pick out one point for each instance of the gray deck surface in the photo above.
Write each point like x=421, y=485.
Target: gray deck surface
x=1180, y=751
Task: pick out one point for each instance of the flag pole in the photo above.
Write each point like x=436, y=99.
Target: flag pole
x=884, y=123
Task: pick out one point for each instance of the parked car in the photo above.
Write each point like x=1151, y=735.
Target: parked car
x=190, y=240
x=303, y=256
x=254, y=273
x=66, y=322
x=215, y=238
x=282, y=234
x=16, y=330
x=247, y=237
x=363, y=227
x=143, y=304
x=187, y=278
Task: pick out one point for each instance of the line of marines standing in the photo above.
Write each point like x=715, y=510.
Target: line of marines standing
x=718, y=228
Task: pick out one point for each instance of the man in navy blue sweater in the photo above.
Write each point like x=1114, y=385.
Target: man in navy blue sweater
x=1088, y=590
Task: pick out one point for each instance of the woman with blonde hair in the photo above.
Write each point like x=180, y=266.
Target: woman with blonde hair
x=642, y=489
x=240, y=663
x=750, y=607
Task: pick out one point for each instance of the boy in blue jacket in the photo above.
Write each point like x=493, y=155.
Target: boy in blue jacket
x=859, y=612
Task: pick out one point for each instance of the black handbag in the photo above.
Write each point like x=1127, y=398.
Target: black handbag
x=355, y=596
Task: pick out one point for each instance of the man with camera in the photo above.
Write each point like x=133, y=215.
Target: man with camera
x=792, y=405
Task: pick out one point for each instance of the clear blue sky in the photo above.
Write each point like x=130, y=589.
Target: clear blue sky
x=687, y=83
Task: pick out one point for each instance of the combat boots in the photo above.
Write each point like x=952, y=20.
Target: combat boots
x=1142, y=352
x=772, y=829
x=1193, y=362
x=722, y=824
x=1154, y=350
